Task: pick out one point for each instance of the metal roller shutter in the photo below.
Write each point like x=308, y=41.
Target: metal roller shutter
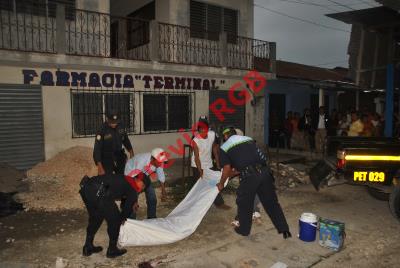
x=236, y=119
x=21, y=125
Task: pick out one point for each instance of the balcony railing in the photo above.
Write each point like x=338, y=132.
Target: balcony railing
x=180, y=44
x=87, y=33
x=27, y=31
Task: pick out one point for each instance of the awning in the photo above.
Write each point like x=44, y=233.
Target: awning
x=371, y=17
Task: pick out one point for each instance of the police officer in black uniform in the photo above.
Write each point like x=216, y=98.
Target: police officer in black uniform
x=108, y=154
x=239, y=155
x=99, y=194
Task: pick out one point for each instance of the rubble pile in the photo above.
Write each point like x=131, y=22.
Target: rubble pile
x=54, y=184
x=288, y=177
x=285, y=177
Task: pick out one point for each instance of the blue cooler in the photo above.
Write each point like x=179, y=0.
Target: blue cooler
x=308, y=227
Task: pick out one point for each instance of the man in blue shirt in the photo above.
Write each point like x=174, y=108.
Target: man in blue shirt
x=141, y=168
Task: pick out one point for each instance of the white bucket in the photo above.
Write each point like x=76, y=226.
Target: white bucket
x=309, y=217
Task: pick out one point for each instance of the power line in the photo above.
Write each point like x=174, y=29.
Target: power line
x=300, y=19
x=340, y=4
x=359, y=2
x=309, y=3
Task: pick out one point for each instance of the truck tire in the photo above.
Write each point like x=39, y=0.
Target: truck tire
x=378, y=194
x=394, y=202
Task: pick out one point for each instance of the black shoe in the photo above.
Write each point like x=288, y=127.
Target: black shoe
x=286, y=235
x=115, y=252
x=89, y=250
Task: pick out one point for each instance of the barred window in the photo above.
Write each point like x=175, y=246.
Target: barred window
x=87, y=113
x=122, y=103
x=166, y=112
x=154, y=112
x=178, y=112
x=89, y=110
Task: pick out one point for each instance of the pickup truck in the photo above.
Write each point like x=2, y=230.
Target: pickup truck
x=370, y=162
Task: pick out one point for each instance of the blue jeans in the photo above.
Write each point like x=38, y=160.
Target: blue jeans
x=151, y=201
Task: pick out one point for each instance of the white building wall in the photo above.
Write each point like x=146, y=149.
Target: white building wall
x=102, y=6
x=57, y=100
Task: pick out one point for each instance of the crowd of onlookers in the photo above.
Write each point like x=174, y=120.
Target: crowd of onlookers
x=308, y=131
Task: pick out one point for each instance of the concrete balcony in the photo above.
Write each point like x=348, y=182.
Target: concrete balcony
x=94, y=34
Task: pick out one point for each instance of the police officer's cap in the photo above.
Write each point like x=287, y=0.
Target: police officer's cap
x=113, y=117
x=229, y=130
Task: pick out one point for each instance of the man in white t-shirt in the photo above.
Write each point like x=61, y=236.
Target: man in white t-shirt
x=205, y=145
x=139, y=171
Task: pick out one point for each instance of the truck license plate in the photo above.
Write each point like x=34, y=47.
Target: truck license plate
x=369, y=176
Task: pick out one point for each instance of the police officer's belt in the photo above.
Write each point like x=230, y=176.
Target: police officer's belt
x=252, y=169
x=101, y=188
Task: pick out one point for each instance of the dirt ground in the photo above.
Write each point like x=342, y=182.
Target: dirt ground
x=40, y=239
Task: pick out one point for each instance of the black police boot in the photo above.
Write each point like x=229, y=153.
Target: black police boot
x=113, y=251
x=286, y=234
x=89, y=248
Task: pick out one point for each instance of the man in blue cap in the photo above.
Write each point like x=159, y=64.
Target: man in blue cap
x=108, y=154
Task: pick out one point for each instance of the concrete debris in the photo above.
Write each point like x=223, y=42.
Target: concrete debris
x=288, y=177
x=54, y=184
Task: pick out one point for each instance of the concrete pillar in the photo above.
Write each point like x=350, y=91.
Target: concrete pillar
x=266, y=118
x=61, y=43
x=357, y=100
x=389, y=101
x=154, y=45
x=360, y=57
x=321, y=97
x=223, y=49
x=272, y=57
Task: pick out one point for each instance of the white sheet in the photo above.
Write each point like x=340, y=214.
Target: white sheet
x=180, y=223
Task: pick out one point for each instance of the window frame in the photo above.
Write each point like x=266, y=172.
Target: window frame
x=130, y=128
x=143, y=28
x=136, y=110
x=210, y=35
x=191, y=101
x=48, y=11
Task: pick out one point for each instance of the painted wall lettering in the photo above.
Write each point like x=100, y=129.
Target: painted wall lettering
x=116, y=80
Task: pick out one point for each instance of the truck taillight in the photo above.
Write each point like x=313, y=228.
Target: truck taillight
x=341, y=159
x=341, y=163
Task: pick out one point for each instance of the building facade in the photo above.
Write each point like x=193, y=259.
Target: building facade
x=160, y=64
x=298, y=87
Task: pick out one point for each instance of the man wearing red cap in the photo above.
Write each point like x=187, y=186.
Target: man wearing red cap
x=140, y=169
